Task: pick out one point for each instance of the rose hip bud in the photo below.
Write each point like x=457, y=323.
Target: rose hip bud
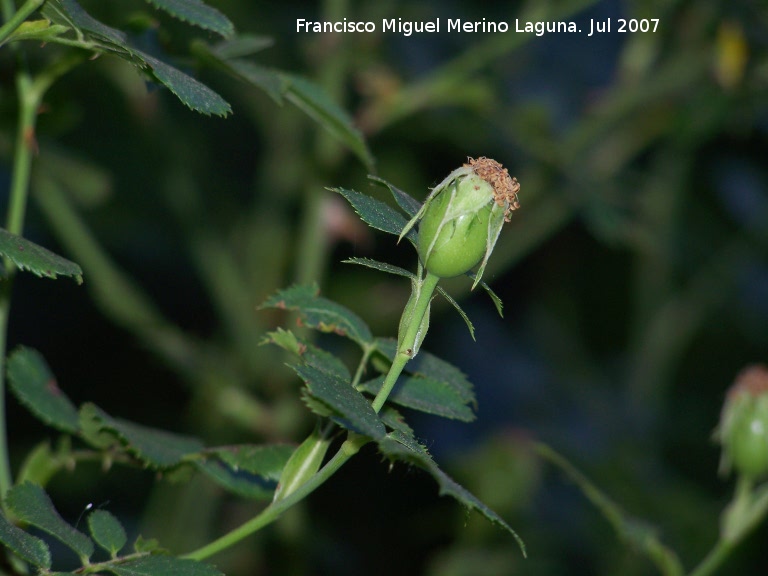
x=743, y=429
x=461, y=219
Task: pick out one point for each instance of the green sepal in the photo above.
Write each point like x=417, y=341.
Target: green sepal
x=397, y=271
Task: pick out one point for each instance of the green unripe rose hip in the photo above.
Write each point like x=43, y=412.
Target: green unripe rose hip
x=453, y=235
x=743, y=430
x=461, y=219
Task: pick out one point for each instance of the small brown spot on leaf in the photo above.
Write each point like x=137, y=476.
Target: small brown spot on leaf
x=53, y=387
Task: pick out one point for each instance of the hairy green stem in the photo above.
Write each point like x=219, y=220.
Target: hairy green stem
x=272, y=512
x=12, y=22
x=407, y=344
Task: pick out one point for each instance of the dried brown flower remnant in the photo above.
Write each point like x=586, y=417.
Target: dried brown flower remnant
x=751, y=380
x=505, y=187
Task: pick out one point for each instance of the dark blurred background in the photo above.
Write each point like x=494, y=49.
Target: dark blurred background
x=635, y=276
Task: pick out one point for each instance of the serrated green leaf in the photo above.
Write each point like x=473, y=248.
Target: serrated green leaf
x=408, y=203
x=377, y=214
x=34, y=258
x=394, y=420
x=637, y=532
x=196, y=95
x=70, y=13
x=161, y=565
x=309, y=353
x=157, y=448
x=430, y=366
x=34, y=385
x=426, y=395
x=198, y=14
x=316, y=103
x=400, y=447
x=320, y=313
x=27, y=547
x=107, y=531
x=347, y=407
x=249, y=471
x=32, y=505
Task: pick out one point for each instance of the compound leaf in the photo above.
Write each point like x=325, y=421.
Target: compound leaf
x=40, y=261
x=32, y=505
x=33, y=384
x=94, y=35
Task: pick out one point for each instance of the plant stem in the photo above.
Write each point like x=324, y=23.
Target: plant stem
x=407, y=344
x=18, y=18
x=22, y=164
x=730, y=535
x=424, y=290
x=272, y=512
x=713, y=559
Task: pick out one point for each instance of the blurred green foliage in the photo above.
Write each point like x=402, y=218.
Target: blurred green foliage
x=635, y=276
